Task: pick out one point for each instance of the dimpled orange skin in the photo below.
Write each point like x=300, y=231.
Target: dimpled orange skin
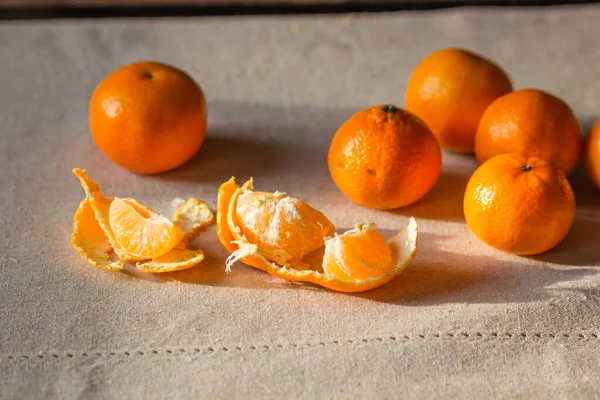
x=384, y=157
x=592, y=154
x=521, y=205
x=450, y=89
x=148, y=117
x=532, y=122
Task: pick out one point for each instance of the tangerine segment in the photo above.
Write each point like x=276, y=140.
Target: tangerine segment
x=276, y=221
x=143, y=233
x=402, y=249
x=175, y=260
x=89, y=239
x=192, y=216
x=358, y=254
x=101, y=206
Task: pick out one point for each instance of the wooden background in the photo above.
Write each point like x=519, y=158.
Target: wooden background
x=135, y=3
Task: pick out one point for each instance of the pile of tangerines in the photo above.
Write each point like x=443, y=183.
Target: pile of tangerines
x=150, y=117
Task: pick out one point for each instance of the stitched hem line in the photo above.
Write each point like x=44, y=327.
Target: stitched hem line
x=525, y=336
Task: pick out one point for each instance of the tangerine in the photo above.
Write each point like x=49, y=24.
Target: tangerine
x=519, y=204
x=148, y=117
x=450, y=89
x=530, y=122
x=592, y=154
x=384, y=157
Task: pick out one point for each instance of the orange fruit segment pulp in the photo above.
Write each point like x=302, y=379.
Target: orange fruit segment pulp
x=141, y=232
x=274, y=232
x=105, y=224
x=275, y=221
x=300, y=234
x=358, y=254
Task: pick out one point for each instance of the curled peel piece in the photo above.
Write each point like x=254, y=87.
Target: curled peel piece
x=135, y=232
x=101, y=207
x=358, y=260
x=226, y=192
x=89, y=239
x=192, y=215
x=175, y=260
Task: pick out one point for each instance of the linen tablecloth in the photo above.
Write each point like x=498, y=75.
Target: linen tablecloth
x=464, y=321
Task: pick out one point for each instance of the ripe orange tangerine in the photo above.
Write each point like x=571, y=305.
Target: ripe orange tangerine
x=450, y=89
x=519, y=204
x=275, y=233
x=148, y=117
x=530, y=122
x=384, y=157
x=592, y=154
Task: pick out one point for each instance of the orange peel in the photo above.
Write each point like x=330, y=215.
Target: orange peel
x=101, y=207
x=175, y=260
x=355, y=261
x=192, y=215
x=226, y=192
x=135, y=232
x=89, y=239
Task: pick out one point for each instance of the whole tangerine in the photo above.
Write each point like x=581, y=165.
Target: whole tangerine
x=450, y=89
x=384, y=157
x=148, y=117
x=531, y=122
x=592, y=154
x=519, y=204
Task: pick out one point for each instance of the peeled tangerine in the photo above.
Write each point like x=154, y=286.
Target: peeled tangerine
x=108, y=231
x=280, y=234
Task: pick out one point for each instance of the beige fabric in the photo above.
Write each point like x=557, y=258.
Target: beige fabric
x=464, y=321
